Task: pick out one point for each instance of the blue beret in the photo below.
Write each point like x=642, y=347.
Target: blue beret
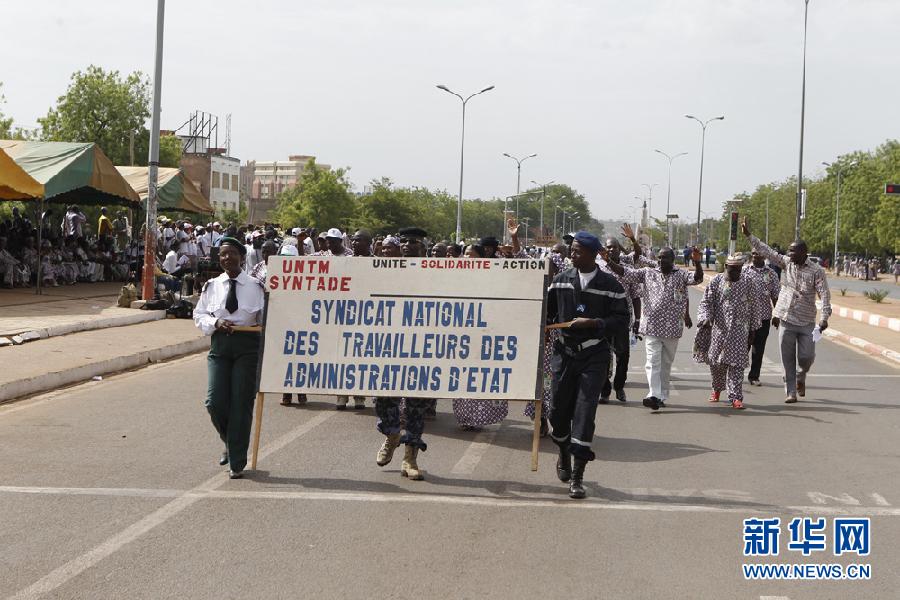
x=587, y=240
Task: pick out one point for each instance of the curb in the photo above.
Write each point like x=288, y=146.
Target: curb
x=58, y=379
x=864, y=316
x=861, y=344
x=143, y=316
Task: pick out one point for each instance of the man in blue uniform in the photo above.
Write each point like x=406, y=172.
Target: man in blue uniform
x=594, y=305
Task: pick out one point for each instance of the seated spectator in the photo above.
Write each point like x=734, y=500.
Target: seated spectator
x=178, y=268
x=13, y=272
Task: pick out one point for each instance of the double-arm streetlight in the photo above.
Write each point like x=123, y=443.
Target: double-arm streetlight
x=571, y=220
x=703, y=125
x=669, y=189
x=556, y=208
x=837, y=206
x=543, y=187
x=526, y=221
x=505, y=211
x=649, y=187
x=519, y=162
x=462, y=152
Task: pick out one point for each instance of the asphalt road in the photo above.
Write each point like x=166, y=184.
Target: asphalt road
x=112, y=490
x=885, y=282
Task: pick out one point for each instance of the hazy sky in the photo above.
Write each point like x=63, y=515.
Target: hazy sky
x=591, y=86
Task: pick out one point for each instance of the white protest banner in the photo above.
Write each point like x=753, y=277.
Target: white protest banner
x=404, y=327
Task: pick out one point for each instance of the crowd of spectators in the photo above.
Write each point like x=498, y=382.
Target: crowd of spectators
x=69, y=253
x=867, y=268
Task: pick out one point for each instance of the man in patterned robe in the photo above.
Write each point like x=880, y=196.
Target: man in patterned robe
x=730, y=311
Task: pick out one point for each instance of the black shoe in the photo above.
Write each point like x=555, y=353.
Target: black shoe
x=620, y=395
x=223, y=460
x=576, y=488
x=564, y=465
x=235, y=474
x=660, y=403
x=604, y=399
x=651, y=403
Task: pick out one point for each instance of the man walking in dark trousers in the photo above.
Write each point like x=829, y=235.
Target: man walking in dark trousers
x=594, y=306
x=621, y=340
x=767, y=287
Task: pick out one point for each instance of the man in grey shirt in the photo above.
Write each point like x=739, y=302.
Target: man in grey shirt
x=803, y=280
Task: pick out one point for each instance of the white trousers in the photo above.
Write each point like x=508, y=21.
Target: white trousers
x=660, y=356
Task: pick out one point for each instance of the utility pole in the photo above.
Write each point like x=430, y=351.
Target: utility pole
x=149, y=275
x=802, y=118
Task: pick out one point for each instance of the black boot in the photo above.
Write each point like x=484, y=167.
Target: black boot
x=576, y=489
x=564, y=465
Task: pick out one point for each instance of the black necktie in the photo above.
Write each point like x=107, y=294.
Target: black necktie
x=231, y=303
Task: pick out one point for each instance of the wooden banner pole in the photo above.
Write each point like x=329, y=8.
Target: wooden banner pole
x=257, y=425
x=536, y=435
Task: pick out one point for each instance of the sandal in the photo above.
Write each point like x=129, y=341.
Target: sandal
x=714, y=397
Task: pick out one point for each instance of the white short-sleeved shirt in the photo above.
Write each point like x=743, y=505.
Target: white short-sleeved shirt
x=211, y=306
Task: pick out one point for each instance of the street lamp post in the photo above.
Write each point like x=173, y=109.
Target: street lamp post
x=669, y=190
x=703, y=125
x=462, y=151
x=802, y=118
x=543, y=197
x=837, y=207
x=519, y=162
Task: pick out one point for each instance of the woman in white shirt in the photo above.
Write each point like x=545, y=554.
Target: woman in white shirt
x=231, y=299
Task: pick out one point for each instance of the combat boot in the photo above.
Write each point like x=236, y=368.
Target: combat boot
x=576, y=489
x=564, y=464
x=409, y=468
x=386, y=453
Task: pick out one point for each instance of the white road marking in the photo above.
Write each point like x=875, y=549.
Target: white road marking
x=78, y=565
x=770, y=366
x=673, y=391
x=473, y=454
x=774, y=598
x=208, y=491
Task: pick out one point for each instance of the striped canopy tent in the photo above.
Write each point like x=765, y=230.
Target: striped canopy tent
x=15, y=183
x=71, y=173
x=175, y=192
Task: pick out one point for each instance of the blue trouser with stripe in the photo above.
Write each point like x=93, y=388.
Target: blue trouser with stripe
x=575, y=391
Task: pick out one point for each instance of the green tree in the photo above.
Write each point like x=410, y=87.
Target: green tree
x=7, y=131
x=5, y=122
x=236, y=217
x=320, y=199
x=103, y=108
x=170, y=150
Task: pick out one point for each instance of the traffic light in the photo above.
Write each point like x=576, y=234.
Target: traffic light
x=734, y=226
x=892, y=189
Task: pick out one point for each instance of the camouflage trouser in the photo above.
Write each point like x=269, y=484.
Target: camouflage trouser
x=388, y=423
